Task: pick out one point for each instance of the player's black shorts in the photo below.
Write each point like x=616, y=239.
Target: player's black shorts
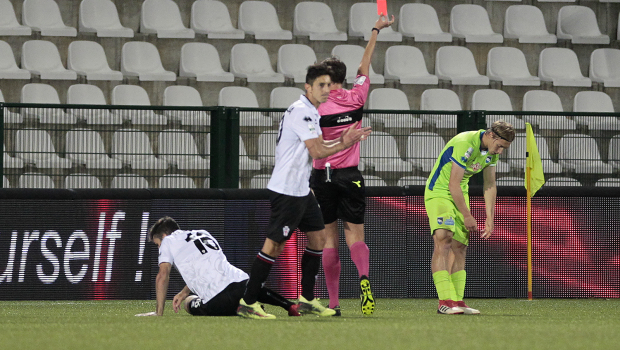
x=289, y=213
x=225, y=303
x=344, y=197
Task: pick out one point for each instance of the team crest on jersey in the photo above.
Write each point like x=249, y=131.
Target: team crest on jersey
x=488, y=160
x=440, y=220
x=476, y=167
x=285, y=231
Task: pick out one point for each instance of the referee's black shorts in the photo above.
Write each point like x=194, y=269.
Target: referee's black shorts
x=344, y=197
x=225, y=303
x=289, y=213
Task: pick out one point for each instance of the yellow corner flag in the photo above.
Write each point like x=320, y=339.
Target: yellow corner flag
x=533, y=163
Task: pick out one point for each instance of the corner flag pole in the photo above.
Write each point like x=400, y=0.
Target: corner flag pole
x=529, y=233
x=534, y=180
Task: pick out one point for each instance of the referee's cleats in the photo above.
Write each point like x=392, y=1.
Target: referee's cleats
x=466, y=309
x=449, y=307
x=313, y=307
x=367, y=301
x=338, y=310
x=254, y=311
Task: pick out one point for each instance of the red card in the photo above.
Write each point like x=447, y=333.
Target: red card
x=382, y=7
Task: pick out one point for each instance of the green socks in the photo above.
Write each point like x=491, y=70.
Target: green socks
x=442, y=284
x=457, y=282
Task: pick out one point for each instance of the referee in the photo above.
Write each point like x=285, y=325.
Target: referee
x=292, y=204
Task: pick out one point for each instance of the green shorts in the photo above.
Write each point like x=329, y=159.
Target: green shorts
x=442, y=213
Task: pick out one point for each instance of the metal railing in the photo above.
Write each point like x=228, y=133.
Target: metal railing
x=85, y=146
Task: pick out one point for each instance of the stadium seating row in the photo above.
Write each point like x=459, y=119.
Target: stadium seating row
x=403, y=63
x=128, y=180
x=578, y=153
x=313, y=19
x=282, y=97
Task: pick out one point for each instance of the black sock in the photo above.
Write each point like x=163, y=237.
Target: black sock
x=310, y=264
x=270, y=297
x=258, y=275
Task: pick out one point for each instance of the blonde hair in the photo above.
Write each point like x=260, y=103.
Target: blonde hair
x=503, y=130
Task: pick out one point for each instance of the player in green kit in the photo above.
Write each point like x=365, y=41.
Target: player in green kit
x=446, y=199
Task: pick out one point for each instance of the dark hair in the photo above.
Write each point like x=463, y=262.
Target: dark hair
x=314, y=71
x=503, y=130
x=163, y=226
x=337, y=69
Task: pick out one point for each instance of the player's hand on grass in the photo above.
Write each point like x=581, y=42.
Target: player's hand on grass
x=470, y=223
x=152, y=313
x=489, y=225
x=383, y=22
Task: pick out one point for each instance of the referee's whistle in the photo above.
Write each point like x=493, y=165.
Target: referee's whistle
x=328, y=172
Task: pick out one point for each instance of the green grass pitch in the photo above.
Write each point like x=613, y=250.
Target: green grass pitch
x=397, y=324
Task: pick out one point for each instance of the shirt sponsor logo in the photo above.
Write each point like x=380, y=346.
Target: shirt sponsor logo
x=465, y=157
x=311, y=127
x=285, y=231
x=344, y=119
x=450, y=222
x=360, y=80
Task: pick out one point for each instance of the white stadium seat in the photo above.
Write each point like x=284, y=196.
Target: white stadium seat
x=176, y=181
x=177, y=147
x=420, y=22
x=284, y=96
x=260, y=181
x=352, y=55
x=44, y=16
x=237, y=96
x=86, y=94
x=251, y=61
x=412, y=181
x=8, y=66
x=457, y=64
x=392, y=99
x=259, y=18
x=44, y=94
x=362, y=18
x=406, y=64
x=561, y=66
x=267, y=148
x=11, y=162
x=495, y=100
x=245, y=163
x=508, y=65
x=316, y=21
x=423, y=148
x=372, y=180
x=163, y=17
x=608, y=182
x=605, y=67
x=545, y=101
x=562, y=181
x=579, y=153
x=129, y=181
x=202, y=61
x=86, y=147
x=516, y=154
x=5, y=182
x=35, y=146
x=141, y=59
x=35, y=180
x=212, y=18
x=613, y=157
x=42, y=58
x=11, y=117
x=293, y=61
x=511, y=181
x=380, y=152
x=526, y=23
x=132, y=147
x=8, y=21
x=88, y=59
x=185, y=96
x=579, y=25
x=440, y=100
x=82, y=181
x=134, y=95
x=593, y=102
x=101, y=17
x=472, y=22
